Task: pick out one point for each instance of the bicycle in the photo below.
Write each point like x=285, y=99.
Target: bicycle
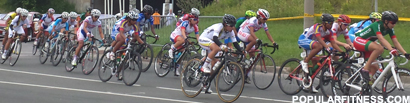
x=15, y=48
x=89, y=52
x=229, y=71
x=164, y=62
x=146, y=51
x=268, y=67
x=57, y=50
x=40, y=42
x=127, y=58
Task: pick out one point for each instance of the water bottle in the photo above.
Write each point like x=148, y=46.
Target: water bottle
x=216, y=65
x=377, y=74
x=177, y=56
x=312, y=70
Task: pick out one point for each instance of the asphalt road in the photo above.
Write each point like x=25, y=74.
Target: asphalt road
x=30, y=81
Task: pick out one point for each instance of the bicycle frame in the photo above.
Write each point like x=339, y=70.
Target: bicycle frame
x=392, y=67
x=327, y=61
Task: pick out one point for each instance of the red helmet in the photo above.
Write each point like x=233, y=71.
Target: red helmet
x=191, y=15
x=344, y=19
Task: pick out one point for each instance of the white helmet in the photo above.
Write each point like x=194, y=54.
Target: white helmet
x=136, y=10
x=263, y=13
x=95, y=12
x=65, y=15
x=51, y=10
x=118, y=15
x=18, y=10
x=73, y=14
x=195, y=11
x=132, y=15
x=23, y=12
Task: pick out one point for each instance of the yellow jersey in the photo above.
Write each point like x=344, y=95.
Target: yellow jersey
x=12, y=16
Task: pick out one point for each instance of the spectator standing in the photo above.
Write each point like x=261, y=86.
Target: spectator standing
x=157, y=18
x=170, y=17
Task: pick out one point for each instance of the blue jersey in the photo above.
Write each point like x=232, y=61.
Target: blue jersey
x=142, y=20
x=359, y=26
x=58, y=25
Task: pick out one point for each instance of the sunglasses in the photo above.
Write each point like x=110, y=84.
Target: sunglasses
x=265, y=18
x=74, y=18
x=134, y=19
x=65, y=18
x=96, y=16
x=24, y=16
x=346, y=24
x=393, y=22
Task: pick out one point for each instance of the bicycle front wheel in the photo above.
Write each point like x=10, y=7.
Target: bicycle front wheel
x=236, y=86
x=90, y=60
x=162, y=61
x=389, y=84
x=147, y=56
x=105, y=67
x=264, y=71
x=69, y=57
x=288, y=76
x=57, y=53
x=132, y=70
x=191, y=78
x=43, y=56
x=15, y=53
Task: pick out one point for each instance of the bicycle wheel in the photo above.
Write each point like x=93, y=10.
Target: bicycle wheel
x=105, y=67
x=325, y=80
x=163, y=61
x=58, y=53
x=147, y=56
x=69, y=57
x=237, y=86
x=191, y=78
x=90, y=60
x=43, y=56
x=264, y=71
x=288, y=73
x=338, y=86
x=230, y=76
x=389, y=83
x=132, y=70
x=15, y=53
x=34, y=50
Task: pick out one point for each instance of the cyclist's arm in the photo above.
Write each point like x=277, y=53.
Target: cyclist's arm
x=333, y=42
x=269, y=36
x=183, y=32
x=101, y=33
x=85, y=27
x=396, y=42
x=252, y=32
x=196, y=31
x=340, y=43
x=13, y=22
x=320, y=40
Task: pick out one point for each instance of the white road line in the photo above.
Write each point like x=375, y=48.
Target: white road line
x=242, y=96
x=98, y=92
x=57, y=76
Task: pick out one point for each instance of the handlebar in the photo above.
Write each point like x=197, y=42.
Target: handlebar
x=273, y=46
x=153, y=37
x=224, y=54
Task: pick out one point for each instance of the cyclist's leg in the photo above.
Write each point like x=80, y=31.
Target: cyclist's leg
x=308, y=44
x=81, y=36
x=177, y=43
x=212, y=49
x=5, y=39
x=246, y=37
x=372, y=51
x=120, y=41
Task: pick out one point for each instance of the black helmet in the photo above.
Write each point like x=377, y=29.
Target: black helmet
x=148, y=9
x=327, y=18
x=229, y=20
x=389, y=16
x=89, y=9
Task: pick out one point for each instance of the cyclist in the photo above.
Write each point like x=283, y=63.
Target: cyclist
x=16, y=27
x=365, y=42
x=84, y=31
x=84, y=15
x=59, y=26
x=73, y=22
x=209, y=40
x=125, y=15
x=179, y=35
x=340, y=27
x=373, y=17
x=45, y=21
x=194, y=11
x=119, y=30
x=145, y=17
x=250, y=26
x=248, y=14
x=12, y=16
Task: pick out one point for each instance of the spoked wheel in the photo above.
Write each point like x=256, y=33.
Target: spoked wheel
x=338, y=85
x=263, y=72
x=236, y=87
x=105, y=67
x=326, y=80
x=191, y=78
x=390, y=84
x=147, y=55
x=90, y=60
x=34, y=50
x=15, y=53
x=290, y=68
x=69, y=58
x=132, y=70
x=163, y=61
x=230, y=76
x=44, y=54
x=57, y=53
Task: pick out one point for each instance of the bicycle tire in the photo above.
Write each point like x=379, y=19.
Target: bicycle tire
x=34, y=50
x=92, y=49
x=43, y=54
x=69, y=58
x=263, y=63
x=102, y=67
x=339, y=84
x=147, y=53
x=161, y=60
x=325, y=80
x=385, y=92
x=242, y=83
x=16, y=47
x=187, y=79
x=57, y=53
x=137, y=67
x=236, y=78
x=281, y=70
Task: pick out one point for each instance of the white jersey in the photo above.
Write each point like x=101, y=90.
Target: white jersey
x=70, y=23
x=17, y=22
x=47, y=20
x=335, y=31
x=317, y=29
x=216, y=30
x=252, y=22
x=90, y=23
x=123, y=25
x=188, y=28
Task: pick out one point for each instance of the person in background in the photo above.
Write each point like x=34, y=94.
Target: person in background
x=156, y=18
x=171, y=17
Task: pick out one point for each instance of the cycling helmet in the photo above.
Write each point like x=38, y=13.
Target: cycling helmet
x=148, y=9
x=375, y=15
x=95, y=12
x=73, y=14
x=18, y=10
x=195, y=11
x=263, y=13
x=344, y=19
x=229, y=20
x=136, y=10
x=23, y=12
x=192, y=15
x=88, y=9
x=390, y=16
x=51, y=10
x=327, y=18
x=250, y=13
x=132, y=15
x=65, y=15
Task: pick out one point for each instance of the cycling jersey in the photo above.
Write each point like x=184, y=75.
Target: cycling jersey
x=356, y=27
x=373, y=29
x=58, y=26
x=46, y=21
x=252, y=22
x=205, y=40
x=72, y=23
x=81, y=34
x=183, y=18
x=239, y=22
x=17, y=25
x=12, y=16
x=123, y=25
x=188, y=29
x=308, y=38
x=142, y=20
x=335, y=30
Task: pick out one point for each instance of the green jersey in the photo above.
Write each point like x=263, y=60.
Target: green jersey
x=373, y=29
